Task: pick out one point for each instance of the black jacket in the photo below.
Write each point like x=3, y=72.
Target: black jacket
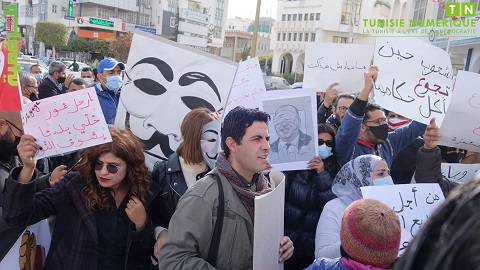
x=168, y=174
x=306, y=193
x=48, y=89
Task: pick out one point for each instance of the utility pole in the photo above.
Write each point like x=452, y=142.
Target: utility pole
x=353, y=15
x=255, y=29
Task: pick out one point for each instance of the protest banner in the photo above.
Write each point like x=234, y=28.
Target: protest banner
x=326, y=63
x=30, y=250
x=269, y=225
x=66, y=123
x=458, y=172
x=415, y=79
x=293, y=132
x=10, y=97
x=247, y=86
x=413, y=204
x=461, y=127
x=162, y=85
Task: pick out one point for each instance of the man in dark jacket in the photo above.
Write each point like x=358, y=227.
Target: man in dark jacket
x=333, y=108
x=53, y=83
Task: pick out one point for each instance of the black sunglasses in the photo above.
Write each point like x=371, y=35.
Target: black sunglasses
x=329, y=143
x=111, y=168
x=34, y=87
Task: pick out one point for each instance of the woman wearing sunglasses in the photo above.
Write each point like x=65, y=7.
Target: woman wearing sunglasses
x=306, y=193
x=101, y=209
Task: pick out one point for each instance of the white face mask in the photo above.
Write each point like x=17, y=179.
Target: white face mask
x=210, y=142
x=89, y=81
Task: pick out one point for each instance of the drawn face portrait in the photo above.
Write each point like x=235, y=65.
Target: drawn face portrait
x=286, y=122
x=162, y=86
x=210, y=142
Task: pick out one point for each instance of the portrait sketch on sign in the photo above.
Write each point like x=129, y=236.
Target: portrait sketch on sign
x=162, y=85
x=292, y=130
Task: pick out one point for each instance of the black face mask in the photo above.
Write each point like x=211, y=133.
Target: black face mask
x=381, y=132
x=453, y=157
x=10, y=148
x=33, y=97
x=61, y=79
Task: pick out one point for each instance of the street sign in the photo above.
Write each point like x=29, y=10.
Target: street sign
x=70, y=18
x=193, y=16
x=70, y=8
x=192, y=41
x=101, y=22
x=193, y=28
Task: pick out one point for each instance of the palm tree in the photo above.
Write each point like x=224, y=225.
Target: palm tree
x=246, y=53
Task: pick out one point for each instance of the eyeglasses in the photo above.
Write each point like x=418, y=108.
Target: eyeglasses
x=380, y=121
x=21, y=131
x=342, y=108
x=34, y=87
x=111, y=168
x=329, y=143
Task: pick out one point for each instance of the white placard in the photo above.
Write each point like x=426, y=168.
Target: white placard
x=269, y=228
x=415, y=78
x=458, y=172
x=161, y=86
x=326, y=63
x=66, y=123
x=413, y=204
x=247, y=86
x=292, y=128
x=461, y=127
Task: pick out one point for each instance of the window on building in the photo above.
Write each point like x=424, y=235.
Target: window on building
x=306, y=37
x=294, y=17
x=313, y=37
x=340, y=39
x=441, y=11
x=312, y=16
x=317, y=17
x=289, y=36
x=283, y=17
x=305, y=17
x=284, y=36
x=347, y=10
x=478, y=4
x=301, y=15
x=419, y=9
x=278, y=36
x=54, y=8
x=294, y=36
x=289, y=17
x=300, y=36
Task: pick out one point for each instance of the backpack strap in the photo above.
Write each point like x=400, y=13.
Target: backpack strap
x=217, y=231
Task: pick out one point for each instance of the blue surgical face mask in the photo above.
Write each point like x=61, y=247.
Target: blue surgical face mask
x=114, y=83
x=324, y=151
x=39, y=77
x=384, y=181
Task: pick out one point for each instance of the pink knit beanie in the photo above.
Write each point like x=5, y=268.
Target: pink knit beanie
x=370, y=233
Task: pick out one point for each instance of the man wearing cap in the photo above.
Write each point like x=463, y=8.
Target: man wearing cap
x=109, y=83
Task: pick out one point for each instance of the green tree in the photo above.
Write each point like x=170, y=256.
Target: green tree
x=261, y=60
x=52, y=34
x=79, y=45
x=121, y=47
x=102, y=47
x=246, y=53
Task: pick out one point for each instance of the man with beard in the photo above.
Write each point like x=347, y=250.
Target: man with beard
x=290, y=138
x=333, y=115
x=364, y=129
x=54, y=83
x=29, y=86
x=10, y=133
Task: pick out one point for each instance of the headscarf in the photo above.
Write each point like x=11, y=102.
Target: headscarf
x=354, y=174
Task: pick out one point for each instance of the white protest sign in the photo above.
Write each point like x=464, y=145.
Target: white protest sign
x=161, y=86
x=246, y=87
x=326, y=63
x=461, y=127
x=458, y=172
x=415, y=79
x=413, y=204
x=269, y=228
x=293, y=132
x=66, y=122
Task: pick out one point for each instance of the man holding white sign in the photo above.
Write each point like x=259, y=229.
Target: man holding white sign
x=364, y=129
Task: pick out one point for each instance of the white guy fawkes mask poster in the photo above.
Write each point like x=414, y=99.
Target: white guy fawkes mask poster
x=163, y=82
x=210, y=142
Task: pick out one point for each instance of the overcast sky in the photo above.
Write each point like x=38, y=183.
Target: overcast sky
x=247, y=8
